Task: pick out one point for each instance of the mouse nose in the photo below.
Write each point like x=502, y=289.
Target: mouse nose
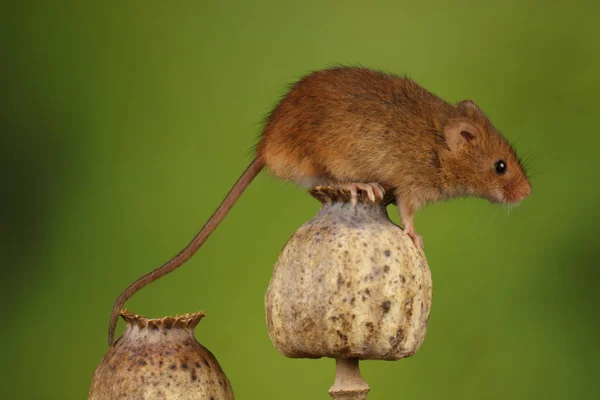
x=527, y=191
x=517, y=192
x=524, y=191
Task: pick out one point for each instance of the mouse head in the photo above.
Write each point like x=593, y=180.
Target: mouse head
x=479, y=161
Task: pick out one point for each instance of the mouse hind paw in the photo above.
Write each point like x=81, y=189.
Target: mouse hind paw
x=373, y=190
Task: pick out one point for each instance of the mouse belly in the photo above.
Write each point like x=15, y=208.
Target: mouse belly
x=303, y=171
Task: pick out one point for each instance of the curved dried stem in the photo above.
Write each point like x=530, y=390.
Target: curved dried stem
x=349, y=384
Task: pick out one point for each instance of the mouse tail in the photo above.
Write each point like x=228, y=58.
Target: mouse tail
x=236, y=191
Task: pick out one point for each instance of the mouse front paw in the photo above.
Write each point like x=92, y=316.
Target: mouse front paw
x=373, y=190
x=416, y=238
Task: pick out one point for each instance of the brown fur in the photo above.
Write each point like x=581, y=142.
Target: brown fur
x=359, y=125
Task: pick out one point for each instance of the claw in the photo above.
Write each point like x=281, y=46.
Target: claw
x=374, y=191
x=353, y=194
x=379, y=190
x=369, y=190
x=416, y=238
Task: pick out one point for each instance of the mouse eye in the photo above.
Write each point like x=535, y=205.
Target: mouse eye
x=500, y=167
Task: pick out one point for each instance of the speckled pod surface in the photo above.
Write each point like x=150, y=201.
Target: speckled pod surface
x=349, y=284
x=159, y=359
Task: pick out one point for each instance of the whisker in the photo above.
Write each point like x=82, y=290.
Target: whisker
x=474, y=225
x=491, y=224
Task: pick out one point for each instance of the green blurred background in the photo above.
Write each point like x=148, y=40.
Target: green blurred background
x=124, y=124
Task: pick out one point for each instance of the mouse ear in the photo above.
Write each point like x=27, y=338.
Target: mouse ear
x=468, y=108
x=459, y=133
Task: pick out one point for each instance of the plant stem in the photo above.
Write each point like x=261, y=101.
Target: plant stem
x=348, y=385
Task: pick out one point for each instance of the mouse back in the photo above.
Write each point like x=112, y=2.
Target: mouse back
x=352, y=124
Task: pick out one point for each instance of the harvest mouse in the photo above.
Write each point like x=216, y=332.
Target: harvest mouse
x=364, y=130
